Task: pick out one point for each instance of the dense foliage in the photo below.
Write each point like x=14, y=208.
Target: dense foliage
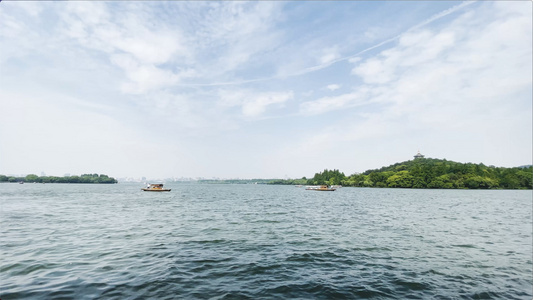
x=235, y=181
x=301, y=181
x=333, y=177
x=85, y=178
x=432, y=173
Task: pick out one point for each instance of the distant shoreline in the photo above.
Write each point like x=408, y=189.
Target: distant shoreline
x=419, y=173
x=85, y=179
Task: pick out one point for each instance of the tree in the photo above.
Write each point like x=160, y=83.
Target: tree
x=441, y=182
x=333, y=177
x=32, y=178
x=401, y=179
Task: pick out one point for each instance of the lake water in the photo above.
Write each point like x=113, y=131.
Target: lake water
x=70, y=241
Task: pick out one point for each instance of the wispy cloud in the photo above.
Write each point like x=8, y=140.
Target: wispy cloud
x=327, y=104
x=387, y=41
x=253, y=104
x=134, y=46
x=437, y=82
x=330, y=56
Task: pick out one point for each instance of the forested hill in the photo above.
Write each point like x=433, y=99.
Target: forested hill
x=433, y=173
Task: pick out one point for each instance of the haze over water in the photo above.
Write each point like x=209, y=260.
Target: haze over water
x=263, y=242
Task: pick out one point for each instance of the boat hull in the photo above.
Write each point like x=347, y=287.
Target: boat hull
x=156, y=190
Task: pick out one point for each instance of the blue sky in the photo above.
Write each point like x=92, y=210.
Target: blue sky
x=266, y=89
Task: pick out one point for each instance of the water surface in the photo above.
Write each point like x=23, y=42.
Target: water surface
x=204, y=241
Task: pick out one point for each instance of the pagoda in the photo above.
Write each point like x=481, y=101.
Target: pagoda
x=418, y=155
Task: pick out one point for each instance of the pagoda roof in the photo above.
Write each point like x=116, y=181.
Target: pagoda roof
x=418, y=155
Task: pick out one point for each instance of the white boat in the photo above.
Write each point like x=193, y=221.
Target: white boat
x=158, y=187
x=324, y=188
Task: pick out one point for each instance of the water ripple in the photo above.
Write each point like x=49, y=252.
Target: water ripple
x=263, y=242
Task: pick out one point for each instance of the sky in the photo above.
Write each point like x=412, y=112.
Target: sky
x=262, y=89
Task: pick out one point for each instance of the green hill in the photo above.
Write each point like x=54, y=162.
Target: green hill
x=432, y=173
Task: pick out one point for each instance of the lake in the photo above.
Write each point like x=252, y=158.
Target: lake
x=201, y=241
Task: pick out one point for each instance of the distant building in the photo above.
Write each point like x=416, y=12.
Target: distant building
x=418, y=155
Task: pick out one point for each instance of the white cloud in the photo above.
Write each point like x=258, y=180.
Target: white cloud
x=373, y=71
x=259, y=104
x=354, y=60
x=98, y=27
x=439, y=67
x=327, y=104
x=146, y=77
x=466, y=78
x=147, y=46
x=231, y=34
x=333, y=87
x=253, y=104
x=329, y=55
x=413, y=50
x=139, y=50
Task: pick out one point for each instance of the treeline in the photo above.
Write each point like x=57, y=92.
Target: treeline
x=432, y=173
x=235, y=181
x=328, y=177
x=85, y=178
x=302, y=181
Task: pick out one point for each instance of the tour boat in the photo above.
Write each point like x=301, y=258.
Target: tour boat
x=155, y=188
x=324, y=188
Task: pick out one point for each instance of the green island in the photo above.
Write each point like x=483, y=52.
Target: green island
x=85, y=178
x=423, y=173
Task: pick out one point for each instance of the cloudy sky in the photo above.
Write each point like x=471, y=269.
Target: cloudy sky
x=266, y=89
